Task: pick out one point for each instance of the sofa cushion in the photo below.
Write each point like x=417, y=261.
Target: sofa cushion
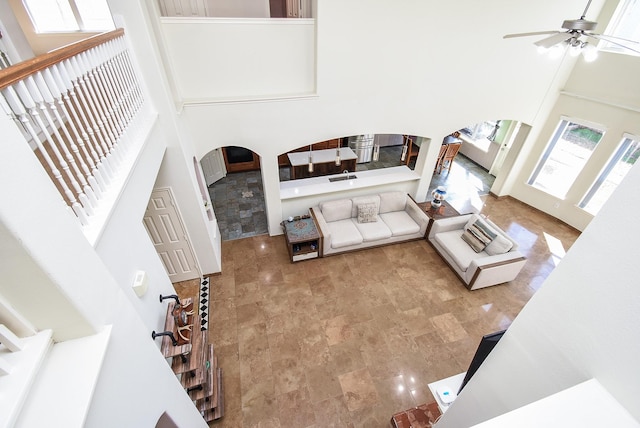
x=392, y=201
x=360, y=200
x=339, y=209
x=400, y=223
x=458, y=250
x=344, y=233
x=499, y=245
x=367, y=213
x=373, y=231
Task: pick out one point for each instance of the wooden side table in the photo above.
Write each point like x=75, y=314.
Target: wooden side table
x=303, y=239
x=423, y=416
x=445, y=211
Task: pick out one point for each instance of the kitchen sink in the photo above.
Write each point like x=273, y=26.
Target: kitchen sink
x=342, y=178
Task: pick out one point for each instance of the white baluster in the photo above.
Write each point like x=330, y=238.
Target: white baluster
x=67, y=162
x=96, y=58
x=54, y=80
x=46, y=83
x=68, y=78
x=126, y=94
x=91, y=112
x=117, y=85
x=19, y=109
x=132, y=73
x=98, y=95
x=128, y=74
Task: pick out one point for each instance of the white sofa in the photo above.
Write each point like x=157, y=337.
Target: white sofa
x=477, y=250
x=366, y=221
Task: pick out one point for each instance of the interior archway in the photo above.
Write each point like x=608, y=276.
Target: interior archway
x=236, y=191
x=371, y=151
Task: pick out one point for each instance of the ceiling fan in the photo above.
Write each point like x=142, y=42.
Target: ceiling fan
x=576, y=31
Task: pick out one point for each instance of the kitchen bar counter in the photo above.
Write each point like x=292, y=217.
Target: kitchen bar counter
x=321, y=185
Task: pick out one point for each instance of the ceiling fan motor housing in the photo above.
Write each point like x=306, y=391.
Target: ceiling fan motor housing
x=579, y=24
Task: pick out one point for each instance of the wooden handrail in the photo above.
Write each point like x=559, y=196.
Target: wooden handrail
x=19, y=71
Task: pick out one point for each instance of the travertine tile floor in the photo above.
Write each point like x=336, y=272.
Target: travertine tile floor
x=349, y=340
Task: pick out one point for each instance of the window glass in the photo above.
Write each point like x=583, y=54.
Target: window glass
x=49, y=16
x=617, y=168
x=624, y=24
x=481, y=130
x=565, y=156
x=95, y=14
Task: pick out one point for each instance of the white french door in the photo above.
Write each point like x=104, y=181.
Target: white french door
x=213, y=166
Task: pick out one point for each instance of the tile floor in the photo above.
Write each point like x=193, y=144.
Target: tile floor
x=238, y=201
x=349, y=340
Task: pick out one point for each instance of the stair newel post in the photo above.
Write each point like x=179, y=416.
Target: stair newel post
x=69, y=149
x=19, y=100
x=69, y=78
x=90, y=170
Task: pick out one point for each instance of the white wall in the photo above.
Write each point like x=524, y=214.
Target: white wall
x=384, y=69
x=581, y=324
x=125, y=246
x=220, y=59
x=605, y=92
x=46, y=284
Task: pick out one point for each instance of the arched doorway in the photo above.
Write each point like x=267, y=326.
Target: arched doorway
x=234, y=183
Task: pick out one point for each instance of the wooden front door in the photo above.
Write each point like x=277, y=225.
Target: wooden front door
x=238, y=159
x=165, y=228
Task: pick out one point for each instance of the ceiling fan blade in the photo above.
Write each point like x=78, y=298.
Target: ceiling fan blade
x=608, y=38
x=599, y=37
x=536, y=33
x=553, y=40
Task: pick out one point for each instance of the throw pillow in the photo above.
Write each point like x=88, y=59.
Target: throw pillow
x=367, y=213
x=499, y=245
x=473, y=242
x=478, y=235
x=487, y=234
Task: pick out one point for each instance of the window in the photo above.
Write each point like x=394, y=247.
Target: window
x=616, y=169
x=565, y=156
x=624, y=24
x=50, y=16
x=482, y=130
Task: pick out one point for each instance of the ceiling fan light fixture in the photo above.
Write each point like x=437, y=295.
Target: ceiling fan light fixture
x=589, y=52
x=556, y=42
x=556, y=51
x=574, y=50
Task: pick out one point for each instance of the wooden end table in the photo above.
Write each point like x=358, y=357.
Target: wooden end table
x=303, y=239
x=445, y=211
